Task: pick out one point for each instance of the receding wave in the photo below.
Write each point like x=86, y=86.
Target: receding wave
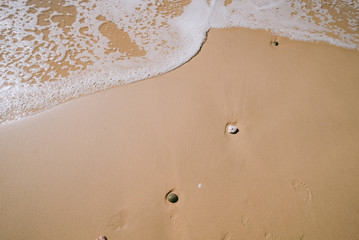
x=53, y=51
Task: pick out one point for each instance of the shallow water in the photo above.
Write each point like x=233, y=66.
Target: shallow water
x=53, y=51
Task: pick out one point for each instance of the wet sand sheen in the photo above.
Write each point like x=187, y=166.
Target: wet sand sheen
x=103, y=164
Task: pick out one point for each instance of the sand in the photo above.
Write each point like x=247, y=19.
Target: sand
x=103, y=164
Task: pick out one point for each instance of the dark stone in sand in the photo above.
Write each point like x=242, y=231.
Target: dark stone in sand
x=172, y=197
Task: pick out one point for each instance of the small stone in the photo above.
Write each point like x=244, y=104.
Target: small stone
x=232, y=129
x=275, y=43
x=102, y=238
x=172, y=197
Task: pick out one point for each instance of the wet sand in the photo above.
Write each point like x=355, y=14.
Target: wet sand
x=104, y=163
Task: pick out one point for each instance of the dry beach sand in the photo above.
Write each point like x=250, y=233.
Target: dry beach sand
x=103, y=164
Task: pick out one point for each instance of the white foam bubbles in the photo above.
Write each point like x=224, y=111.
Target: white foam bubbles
x=335, y=22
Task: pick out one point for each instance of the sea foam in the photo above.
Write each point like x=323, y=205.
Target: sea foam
x=54, y=51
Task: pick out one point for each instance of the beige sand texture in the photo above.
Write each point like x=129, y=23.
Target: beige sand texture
x=103, y=164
